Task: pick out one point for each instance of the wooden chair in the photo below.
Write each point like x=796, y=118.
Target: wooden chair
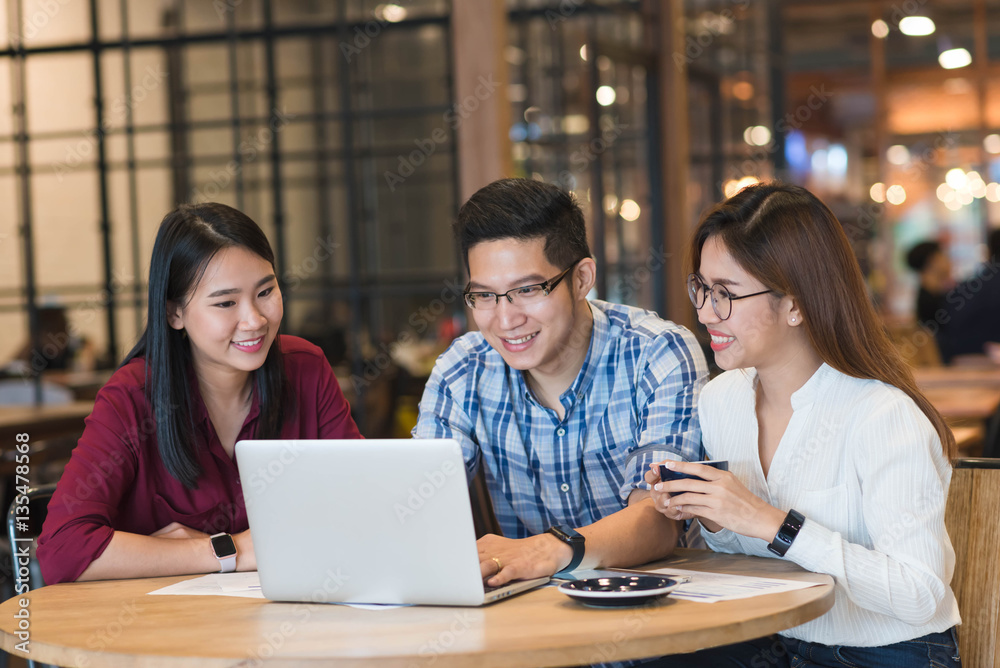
x=29, y=526
x=974, y=527
x=483, y=517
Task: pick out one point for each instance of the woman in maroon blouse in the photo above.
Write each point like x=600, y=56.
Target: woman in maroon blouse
x=153, y=476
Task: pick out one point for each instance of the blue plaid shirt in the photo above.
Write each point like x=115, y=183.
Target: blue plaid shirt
x=634, y=402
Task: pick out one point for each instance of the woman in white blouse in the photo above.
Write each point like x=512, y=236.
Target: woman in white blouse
x=836, y=461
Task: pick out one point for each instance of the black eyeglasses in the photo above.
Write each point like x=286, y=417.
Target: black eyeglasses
x=722, y=299
x=525, y=295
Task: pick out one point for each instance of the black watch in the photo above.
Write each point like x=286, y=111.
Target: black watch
x=787, y=533
x=574, y=539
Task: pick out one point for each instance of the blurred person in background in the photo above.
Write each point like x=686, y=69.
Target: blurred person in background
x=933, y=269
x=974, y=308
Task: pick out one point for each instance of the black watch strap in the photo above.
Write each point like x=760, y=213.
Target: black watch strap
x=575, y=540
x=787, y=533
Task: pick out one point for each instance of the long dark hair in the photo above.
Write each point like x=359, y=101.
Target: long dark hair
x=787, y=239
x=188, y=239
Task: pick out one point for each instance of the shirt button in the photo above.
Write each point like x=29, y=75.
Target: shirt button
x=560, y=431
x=564, y=487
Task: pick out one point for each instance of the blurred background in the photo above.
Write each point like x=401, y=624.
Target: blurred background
x=352, y=130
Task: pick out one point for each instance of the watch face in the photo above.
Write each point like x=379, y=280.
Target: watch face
x=566, y=534
x=223, y=546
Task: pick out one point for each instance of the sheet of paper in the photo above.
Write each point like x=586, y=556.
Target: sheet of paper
x=242, y=585
x=712, y=587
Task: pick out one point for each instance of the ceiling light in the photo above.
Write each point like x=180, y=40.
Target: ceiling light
x=956, y=178
x=606, y=96
x=392, y=13
x=743, y=90
x=733, y=186
x=916, y=26
x=895, y=194
x=630, y=210
x=898, y=154
x=757, y=135
x=952, y=59
x=877, y=192
x=945, y=193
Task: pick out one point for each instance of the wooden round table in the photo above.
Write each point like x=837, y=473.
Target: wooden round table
x=114, y=623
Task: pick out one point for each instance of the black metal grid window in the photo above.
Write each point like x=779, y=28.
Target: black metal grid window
x=309, y=116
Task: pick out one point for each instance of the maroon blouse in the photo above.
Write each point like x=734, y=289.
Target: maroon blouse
x=116, y=480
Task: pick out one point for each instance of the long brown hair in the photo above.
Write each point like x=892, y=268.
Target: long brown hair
x=791, y=242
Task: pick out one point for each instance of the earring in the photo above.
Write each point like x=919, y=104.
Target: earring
x=793, y=318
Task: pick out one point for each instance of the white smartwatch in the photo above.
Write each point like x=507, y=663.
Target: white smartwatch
x=225, y=551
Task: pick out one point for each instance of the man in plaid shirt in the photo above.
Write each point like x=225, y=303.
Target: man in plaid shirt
x=565, y=401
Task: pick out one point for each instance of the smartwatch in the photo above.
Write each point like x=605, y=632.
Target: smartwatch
x=787, y=533
x=574, y=539
x=225, y=551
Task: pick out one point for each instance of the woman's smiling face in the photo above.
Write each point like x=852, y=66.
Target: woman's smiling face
x=753, y=333
x=232, y=317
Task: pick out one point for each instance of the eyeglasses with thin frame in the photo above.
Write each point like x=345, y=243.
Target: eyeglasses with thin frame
x=525, y=295
x=722, y=298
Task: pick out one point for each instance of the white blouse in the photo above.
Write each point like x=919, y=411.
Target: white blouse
x=865, y=466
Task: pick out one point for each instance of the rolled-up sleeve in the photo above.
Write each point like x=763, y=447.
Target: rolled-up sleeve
x=667, y=396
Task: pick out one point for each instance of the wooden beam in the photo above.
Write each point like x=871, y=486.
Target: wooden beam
x=676, y=150
x=482, y=119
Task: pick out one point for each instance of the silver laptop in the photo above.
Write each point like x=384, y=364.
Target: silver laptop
x=364, y=521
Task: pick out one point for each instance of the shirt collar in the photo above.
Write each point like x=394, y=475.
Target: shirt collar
x=806, y=394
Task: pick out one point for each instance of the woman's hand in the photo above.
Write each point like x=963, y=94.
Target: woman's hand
x=660, y=498
x=719, y=500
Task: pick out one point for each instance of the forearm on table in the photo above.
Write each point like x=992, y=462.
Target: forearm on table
x=635, y=535
x=130, y=555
